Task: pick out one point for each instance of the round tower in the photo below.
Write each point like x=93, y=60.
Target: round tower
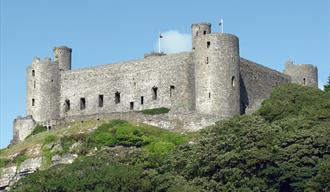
x=217, y=86
x=199, y=29
x=43, y=90
x=303, y=74
x=62, y=55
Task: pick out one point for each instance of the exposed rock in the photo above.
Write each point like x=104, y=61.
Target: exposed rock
x=65, y=159
x=76, y=147
x=7, y=175
x=56, y=148
x=29, y=166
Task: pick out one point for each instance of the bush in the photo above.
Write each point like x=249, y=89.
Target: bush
x=155, y=111
x=118, y=132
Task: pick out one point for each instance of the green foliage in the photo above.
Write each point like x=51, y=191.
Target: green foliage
x=3, y=162
x=119, y=132
x=38, y=129
x=68, y=140
x=327, y=86
x=155, y=111
x=294, y=101
x=321, y=181
x=284, y=146
x=46, y=157
x=20, y=159
x=50, y=139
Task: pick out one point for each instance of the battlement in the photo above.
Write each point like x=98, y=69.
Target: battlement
x=63, y=47
x=45, y=60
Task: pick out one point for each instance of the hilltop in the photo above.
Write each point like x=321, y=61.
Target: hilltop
x=284, y=146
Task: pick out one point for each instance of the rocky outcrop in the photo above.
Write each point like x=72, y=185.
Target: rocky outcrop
x=65, y=159
x=10, y=175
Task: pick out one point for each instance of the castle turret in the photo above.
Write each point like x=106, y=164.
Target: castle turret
x=303, y=74
x=216, y=58
x=199, y=29
x=62, y=55
x=43, y=90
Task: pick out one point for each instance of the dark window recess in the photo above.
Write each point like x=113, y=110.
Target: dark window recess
x=172, y=87
x=33, y=73
x=207, y=60
x=154, y=93
x=233, y=81
x=117, y=97
x=67, y=105
x=209, y=95
x=142, y=100
x=82, y=103
x=131, y=106
x=100, y=100
x=304, y=81
x=204, y=32
x=208, y=44
x=196, y=33
x=32, y=102
x=193, y=48
x=34, y=84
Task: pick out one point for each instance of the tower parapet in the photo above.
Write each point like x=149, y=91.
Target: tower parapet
x=216, y=58
x=303, y=74
x=62, y=55
x=198, y=30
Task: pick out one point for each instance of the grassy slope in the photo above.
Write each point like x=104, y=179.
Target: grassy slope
x=284, y=146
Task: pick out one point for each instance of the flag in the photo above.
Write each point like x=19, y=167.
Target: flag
x=221, y=21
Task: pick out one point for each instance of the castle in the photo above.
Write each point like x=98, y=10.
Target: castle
x=210, y=81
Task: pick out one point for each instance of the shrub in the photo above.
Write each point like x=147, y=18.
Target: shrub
x=155, y=111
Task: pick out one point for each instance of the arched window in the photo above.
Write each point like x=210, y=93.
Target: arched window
x=304, y=81
x=32, y=102
x=33, y=73
x=233, y=81
x=154, y=93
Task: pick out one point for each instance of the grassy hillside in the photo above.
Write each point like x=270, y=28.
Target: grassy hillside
x=284, y=146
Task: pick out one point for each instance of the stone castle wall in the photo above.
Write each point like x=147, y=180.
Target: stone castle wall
x=163, y=81
x=257, y=83
x=304, y=74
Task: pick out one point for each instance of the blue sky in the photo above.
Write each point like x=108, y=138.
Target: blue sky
x=103, y=31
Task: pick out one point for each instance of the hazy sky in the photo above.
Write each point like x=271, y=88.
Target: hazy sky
x=104, y=31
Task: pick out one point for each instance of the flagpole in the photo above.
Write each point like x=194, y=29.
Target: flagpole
x=221, y=25
x=159, y=42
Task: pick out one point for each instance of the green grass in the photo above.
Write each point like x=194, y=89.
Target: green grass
x=155, y=111
x=151, y=139
x=20, y=159
x=38, y=129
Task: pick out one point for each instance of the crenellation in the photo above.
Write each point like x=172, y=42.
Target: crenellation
x=208, y=83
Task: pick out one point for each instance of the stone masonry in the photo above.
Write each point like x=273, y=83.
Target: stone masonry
x=210, y=81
